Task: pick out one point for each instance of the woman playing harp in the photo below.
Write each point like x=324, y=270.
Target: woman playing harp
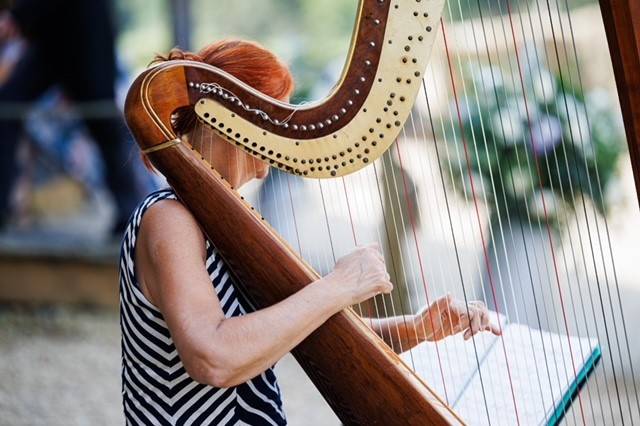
x=192, y=350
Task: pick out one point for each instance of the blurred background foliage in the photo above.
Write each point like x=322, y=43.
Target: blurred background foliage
x=533, y=154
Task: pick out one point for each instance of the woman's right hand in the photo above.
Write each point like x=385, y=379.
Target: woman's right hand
x=360, y=275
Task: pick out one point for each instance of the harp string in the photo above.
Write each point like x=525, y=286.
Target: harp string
x=370, y=202
x=464, y=289
x=293, y=215
x=500, y=276
x=341, y=192
x=606, y=277
x=519, y=207
x=604, y=260
x=453, y=124
x=526, y=208
x=367, y=312
x=571, y=190
x=544, y=206
x=509, y=280
x=545, y=221
x=409, y=208
x=392, y=229
x=391, y=254
x=448, y=354
x=601, y=250
x=501, y=178
x=394, y=313
x=605, y=220
x=532, y=69
x=528, y=116
x=376, y=300
x=544, y=203
x=571, y=136
x=454, y=239
x=320, y=258
x=426, y=285
x=367, y=305
x=393, y=188
x=438, y=210
x=477, y=212
x=382, y=299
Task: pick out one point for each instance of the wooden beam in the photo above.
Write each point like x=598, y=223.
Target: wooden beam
x=622, y=25
x=40, y=269
x=35, y=280
x=181, y=23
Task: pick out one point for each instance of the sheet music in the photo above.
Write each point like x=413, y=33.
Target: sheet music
x=485, y=396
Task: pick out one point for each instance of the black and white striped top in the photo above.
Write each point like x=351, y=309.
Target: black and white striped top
x=156, y=389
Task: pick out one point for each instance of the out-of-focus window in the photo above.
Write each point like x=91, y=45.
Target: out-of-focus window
x=144, y=29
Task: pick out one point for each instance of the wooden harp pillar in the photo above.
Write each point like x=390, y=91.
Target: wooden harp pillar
x=622, y=24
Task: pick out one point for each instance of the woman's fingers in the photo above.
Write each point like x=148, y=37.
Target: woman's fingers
x=484, y=319
x=462, y=323
x=476, y=322
x=487, y=324
x=452, y=311
x=446, y=303
x=467, y=334
x=494, y=328
x=375, y=250
x=453, y=315
x=456, y=317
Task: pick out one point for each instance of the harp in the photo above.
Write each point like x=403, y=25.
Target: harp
x=352, y=133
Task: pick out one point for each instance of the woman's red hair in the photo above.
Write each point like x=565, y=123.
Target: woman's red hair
x=247, y=61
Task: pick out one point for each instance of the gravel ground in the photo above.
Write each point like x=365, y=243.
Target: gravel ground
x=59, y=367
x=62, y=367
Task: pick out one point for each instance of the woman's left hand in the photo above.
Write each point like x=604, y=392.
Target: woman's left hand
x=448, y=316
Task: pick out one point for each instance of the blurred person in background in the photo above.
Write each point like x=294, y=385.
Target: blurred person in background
x=69, y=43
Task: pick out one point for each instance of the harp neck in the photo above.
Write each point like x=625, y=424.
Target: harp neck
x=152, y=99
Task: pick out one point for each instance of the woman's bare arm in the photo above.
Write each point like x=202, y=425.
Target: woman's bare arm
x=222, y=352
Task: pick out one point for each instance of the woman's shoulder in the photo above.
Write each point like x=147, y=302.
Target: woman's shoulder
x=168, y=220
